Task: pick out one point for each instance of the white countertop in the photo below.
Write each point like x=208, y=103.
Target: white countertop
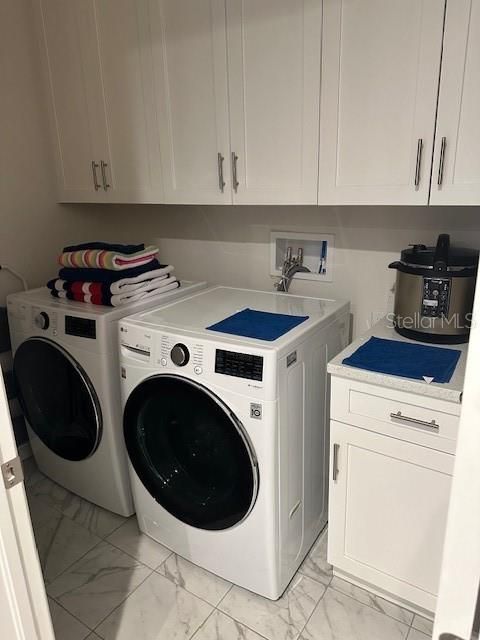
x=450, y=391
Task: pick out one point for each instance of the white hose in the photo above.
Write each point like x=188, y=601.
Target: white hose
x=17, y=275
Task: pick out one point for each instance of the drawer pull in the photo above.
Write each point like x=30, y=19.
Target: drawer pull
x=221, y=181
x=295, y=509
x=94, y=173
x=336, y=448
x=418, y=165
x=236, y=183
x=421, y=423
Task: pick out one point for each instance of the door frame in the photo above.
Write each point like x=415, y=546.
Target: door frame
x=26, y=614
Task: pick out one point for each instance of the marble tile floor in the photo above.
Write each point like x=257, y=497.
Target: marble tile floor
x=107, y=581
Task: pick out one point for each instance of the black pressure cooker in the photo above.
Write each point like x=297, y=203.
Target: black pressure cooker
x=434, y=292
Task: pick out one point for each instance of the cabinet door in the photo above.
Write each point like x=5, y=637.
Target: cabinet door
x=68, y=32
x=380, y=69
x=129, y=142
x=388, y=511
x=274, y=86
x=456, y=168
x=190, y=66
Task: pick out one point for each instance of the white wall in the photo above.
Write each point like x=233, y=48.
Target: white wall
x=230, y=245
x=220, y=244
x=33, y=227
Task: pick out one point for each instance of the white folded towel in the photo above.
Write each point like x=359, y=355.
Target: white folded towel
x=132, y=296
x=120, y=285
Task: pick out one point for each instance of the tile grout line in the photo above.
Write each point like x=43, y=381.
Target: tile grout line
x=81, y=558
x=127, y=518
x=59, y=604
x=121, y=603
x=311, y=615
x=185, y=588
x=154, y=571
x=55, y=507
x=47, y=584
x=240, y=622
x=136, y=559
x=192, y=637
x=408, y=624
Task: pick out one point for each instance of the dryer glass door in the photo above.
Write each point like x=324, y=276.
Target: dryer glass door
x=58, y=399
x=190, y=452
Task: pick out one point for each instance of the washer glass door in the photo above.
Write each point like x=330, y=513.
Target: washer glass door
x=190, y=452
x=58, y=399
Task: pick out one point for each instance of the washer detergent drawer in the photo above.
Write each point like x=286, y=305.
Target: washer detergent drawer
x=419, y=419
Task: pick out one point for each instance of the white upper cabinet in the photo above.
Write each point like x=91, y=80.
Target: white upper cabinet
x=456, y=168
x=264, y=101
x=380, y=69
x=190, y=66
x=274, y=88
x=130, y=139
x=67, y=27
x=99, y=63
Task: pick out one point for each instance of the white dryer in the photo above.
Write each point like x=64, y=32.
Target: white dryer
x=67, y=371
x=227, y=435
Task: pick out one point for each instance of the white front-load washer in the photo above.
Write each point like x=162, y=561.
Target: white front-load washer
x=67, y=371
x=227, y=435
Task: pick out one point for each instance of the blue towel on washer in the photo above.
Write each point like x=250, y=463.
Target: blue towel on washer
x=405, y=359
x=260, y=325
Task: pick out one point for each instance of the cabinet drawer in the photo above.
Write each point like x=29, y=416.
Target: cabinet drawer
x=427, y=421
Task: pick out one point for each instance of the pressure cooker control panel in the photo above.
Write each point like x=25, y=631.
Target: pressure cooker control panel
x=436, y=297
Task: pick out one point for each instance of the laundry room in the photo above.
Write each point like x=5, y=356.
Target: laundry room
x=239, y=333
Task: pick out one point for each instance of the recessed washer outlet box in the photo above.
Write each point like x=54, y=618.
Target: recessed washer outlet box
x=318, y=253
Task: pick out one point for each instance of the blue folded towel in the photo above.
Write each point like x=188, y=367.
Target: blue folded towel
x=108, y=246
x=405, y=359
x=107, y=276
x=260, y=325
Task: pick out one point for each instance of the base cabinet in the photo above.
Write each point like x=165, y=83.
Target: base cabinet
x=388, y=503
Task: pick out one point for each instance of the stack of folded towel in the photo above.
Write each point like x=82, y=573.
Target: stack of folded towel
x=111, y=274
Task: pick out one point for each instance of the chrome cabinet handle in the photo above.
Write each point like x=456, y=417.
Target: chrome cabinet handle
x=336, y=449
x=221, y=182
x=419, y=161
x=94, y=172
x=441, y=162
x=103, y=166
x=421, y=423
x=234, y=171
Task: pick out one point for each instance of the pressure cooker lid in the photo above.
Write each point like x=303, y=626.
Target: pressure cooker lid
x=421, y=255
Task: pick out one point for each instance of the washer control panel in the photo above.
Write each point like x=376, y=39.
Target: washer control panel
x=45, y=321
x=42, y=320
x=435, y=297
x=180, y=355
x=171, y=350
x=81, y=327
x=239, y=365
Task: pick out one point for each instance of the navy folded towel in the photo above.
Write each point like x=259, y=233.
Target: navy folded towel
x=260, y=325
x=107, y=246
x=106, y=276
x=405, y=359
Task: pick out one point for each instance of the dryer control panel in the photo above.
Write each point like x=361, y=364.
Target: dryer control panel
x=240, y=365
